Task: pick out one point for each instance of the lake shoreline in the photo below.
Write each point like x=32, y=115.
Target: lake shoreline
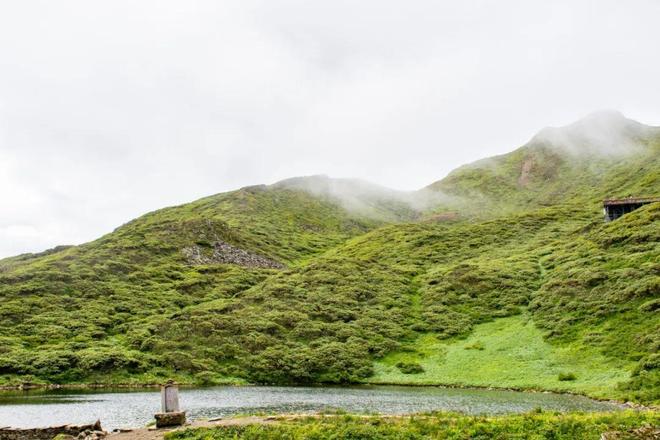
x=626, y=404
x=147, y=386
x=133, y=406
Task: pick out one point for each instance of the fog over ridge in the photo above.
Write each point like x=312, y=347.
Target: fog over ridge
x=365, y=198
x=601, y=133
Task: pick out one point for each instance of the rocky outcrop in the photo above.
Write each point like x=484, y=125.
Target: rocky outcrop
x=442, y=217
x=642, y=433
x=221, y=252
x=72, y=432
x=170, y=419
x=525, y=171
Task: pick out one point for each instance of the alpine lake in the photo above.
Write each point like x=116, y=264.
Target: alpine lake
x=132, y=408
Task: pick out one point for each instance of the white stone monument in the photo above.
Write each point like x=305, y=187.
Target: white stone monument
x=169, y=398
x=171, y=414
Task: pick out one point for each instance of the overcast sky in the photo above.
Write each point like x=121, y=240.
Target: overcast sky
x=110, y=109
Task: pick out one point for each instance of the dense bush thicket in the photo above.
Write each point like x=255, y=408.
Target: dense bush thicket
x=90, y=312
x=326, y=321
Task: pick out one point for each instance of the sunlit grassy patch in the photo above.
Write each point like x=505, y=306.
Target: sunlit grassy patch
x=511, y=353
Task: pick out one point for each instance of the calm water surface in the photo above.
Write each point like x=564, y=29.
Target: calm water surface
x=122, y=408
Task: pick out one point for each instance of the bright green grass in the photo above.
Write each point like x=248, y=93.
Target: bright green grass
x=619, y=425
x=509, y=352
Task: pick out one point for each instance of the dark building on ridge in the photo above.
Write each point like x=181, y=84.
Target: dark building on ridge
x=615, y=208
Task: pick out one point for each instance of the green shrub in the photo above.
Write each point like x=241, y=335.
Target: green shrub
x=567, y=377
x=477, y=345
x=410, y=367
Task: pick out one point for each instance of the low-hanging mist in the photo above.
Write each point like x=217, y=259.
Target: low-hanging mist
x=368, y=199
x=603, y=133
x=590, y=146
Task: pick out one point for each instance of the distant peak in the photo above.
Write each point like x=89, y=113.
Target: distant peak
x=602, y=132
x=323, y=183
x=601, y=119
x=606, y=120
x=605, y=116
x=302, y=180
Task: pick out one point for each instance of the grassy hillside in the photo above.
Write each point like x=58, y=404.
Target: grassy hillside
x=567, y=165
x=372, y=296
x=80, y=312
x=315, y=280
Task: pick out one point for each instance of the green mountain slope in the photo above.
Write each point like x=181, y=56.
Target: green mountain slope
x=602, y=155
x=76, y=311
x=323, y=280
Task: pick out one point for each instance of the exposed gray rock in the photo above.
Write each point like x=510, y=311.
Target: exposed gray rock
x=170, y=419
x=225, y=253
x=83, y=432
x=645, y=432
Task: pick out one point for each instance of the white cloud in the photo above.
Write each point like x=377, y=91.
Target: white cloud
x=112, y=109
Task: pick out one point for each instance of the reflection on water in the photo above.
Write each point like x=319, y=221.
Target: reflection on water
x=134, y=408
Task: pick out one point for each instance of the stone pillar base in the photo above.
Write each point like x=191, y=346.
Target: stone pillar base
x=170, y=419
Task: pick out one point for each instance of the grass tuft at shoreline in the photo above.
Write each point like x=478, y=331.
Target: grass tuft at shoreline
x=574, y=426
